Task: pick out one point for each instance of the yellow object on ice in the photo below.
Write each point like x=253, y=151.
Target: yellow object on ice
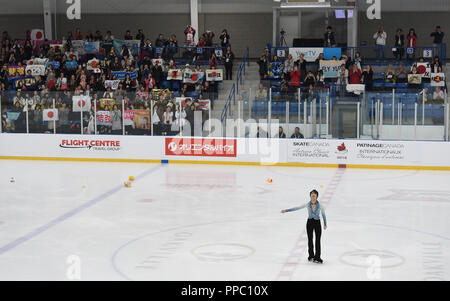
x=269, y=180
x=127, y=184
x=131, y=178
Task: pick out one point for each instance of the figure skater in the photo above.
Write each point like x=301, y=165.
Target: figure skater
x=313, y=224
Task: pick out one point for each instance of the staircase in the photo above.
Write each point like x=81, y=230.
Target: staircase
x=250, y=81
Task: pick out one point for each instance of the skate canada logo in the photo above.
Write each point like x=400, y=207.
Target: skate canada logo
x=310, y=150
x=201, y=147
x=90, y=144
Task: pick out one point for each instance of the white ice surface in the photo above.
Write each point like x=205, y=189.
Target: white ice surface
x=206, y=222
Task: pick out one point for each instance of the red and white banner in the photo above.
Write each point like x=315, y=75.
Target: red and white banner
x=174, y=74
x=94, y=65
x=201, y=147
x=50, y=115
x=214, y=75
x=424, y=69
x=81, y=103
x=37, y=34
x=438, y=79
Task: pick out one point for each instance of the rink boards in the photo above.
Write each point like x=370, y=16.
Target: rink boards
x=242, y=151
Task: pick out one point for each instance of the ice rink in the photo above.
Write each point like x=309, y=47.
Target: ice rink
x=76, y=220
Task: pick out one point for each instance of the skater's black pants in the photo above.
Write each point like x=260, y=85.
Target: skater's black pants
x=313, y=225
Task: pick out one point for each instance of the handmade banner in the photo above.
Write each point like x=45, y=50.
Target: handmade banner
x=438, y=79
x=104, y=118
x=160, y=62
x=94, y=65
x=142, y=119
x=424, y=69
x=275, y=70
x=110, y=102
x=35, y=69
x=12, y=115
x=78, y=46
x=132, y=45
x=331, y=68
x=204, y=104
x=128, y=117
x=37, y=61
x=54, y=64
x=174, y=74
x=414, y=79
x=72, y=55
x=28, y=83
x=50, y=115
x=311, y=54
x=214, y=75
x=81, y=102
x=113, y=84
x=71, y=65
x=192, y=77
x=92, y=47
x=122, y=74
x=16, y=71
x=57, y=47
x=182, y=100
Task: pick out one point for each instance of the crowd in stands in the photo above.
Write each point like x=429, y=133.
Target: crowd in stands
x=139, y=76
x=309, y=76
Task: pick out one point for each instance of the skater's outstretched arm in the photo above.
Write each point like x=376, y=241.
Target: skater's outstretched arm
x=294, y=209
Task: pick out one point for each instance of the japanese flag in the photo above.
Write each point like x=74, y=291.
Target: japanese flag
x=50, y=115
x=94, y=65
x=37, y=34
x=81, y=103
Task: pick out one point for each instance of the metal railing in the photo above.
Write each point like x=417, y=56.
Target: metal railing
x=235, y=87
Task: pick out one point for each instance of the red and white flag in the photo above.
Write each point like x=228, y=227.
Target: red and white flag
x=37, y=34
x=424, y=69
x=81, y=103
x=50, y=115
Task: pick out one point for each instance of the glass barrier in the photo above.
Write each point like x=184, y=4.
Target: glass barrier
x=334, y=111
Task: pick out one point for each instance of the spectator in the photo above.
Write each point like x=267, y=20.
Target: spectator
x=78, y=35
x=116, y=118
x=435, y=64
x=213, y=61
x=229, y=58
x=288, y=66
x=317, y=62
x=412, y=43
x=301, y=62
x=329, y=40
x=297, y=134
x=63, y=115
x=295, y=77
x=438, y=95
x=224, y=38
x=438, y=36
x=189, y=33
x=389, y=76
x=309, y=79
x=172, y=47
x=401, y=75
x=281, y=133
x=342, y=79
x=320, y=79
x=399, y=51
x=208, y=36
x=380, y=41
x=128, y=35
x=358, y=60
x=261, y=93
x=157, y=73
x=355, y=75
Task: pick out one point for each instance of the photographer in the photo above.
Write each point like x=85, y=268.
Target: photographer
x=380, y=41
x=329, y=40
x=224, y=38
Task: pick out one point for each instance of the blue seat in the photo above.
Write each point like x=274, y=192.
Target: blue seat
x=175, y=84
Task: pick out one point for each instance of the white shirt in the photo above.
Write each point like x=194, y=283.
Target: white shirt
x=380, y=39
